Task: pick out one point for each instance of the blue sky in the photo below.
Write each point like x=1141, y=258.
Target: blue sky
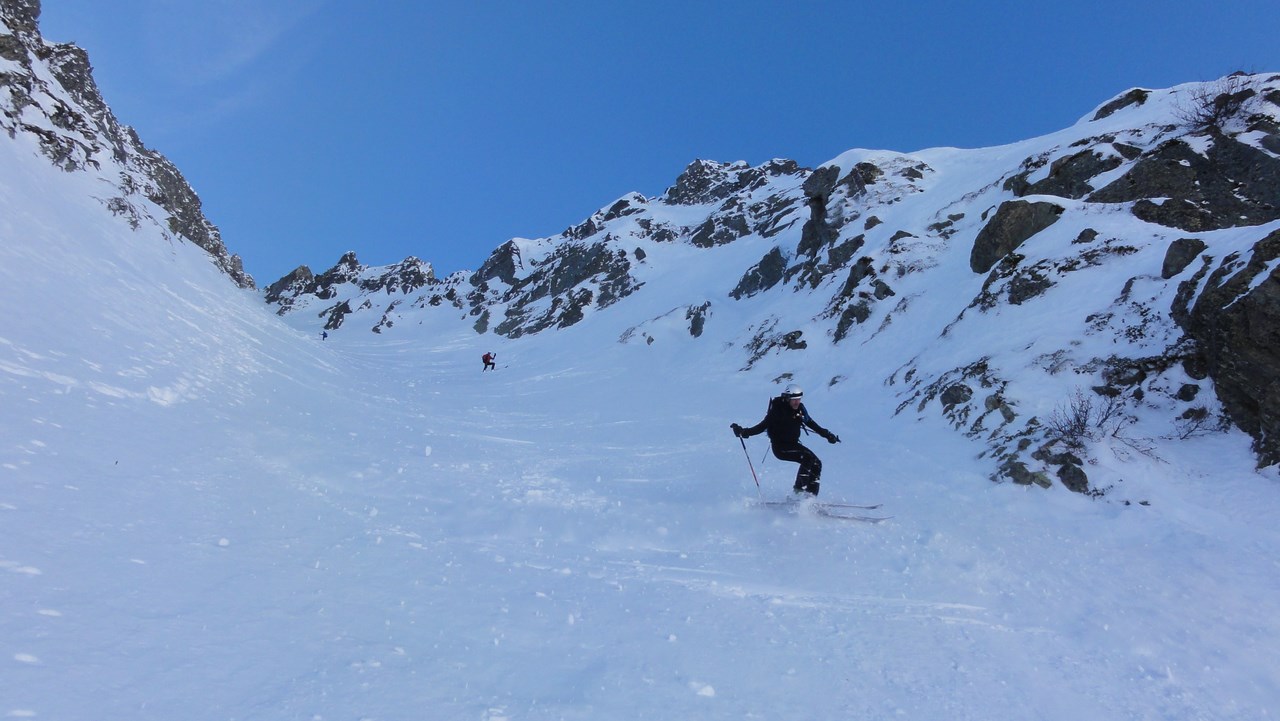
x=442, y=129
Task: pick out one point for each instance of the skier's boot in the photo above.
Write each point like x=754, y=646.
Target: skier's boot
x=805, y=484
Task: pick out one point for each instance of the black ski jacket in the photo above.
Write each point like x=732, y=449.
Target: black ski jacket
x=783, y=423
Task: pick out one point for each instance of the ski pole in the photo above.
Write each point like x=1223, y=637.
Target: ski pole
x=751, y=465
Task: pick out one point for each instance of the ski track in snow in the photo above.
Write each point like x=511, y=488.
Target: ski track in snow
x=554, y=561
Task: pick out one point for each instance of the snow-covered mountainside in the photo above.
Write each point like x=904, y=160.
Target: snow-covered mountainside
x=207, y=513
x=47, y=93
x=1111, y=285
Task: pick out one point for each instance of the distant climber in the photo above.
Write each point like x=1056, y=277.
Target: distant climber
x=324, y=335
x=783, y=422
x=489, y=359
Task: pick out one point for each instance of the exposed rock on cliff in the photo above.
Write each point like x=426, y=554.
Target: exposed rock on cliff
x=77, y=131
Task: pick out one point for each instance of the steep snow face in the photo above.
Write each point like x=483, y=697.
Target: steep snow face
x=208, y=514
x=1041, y=296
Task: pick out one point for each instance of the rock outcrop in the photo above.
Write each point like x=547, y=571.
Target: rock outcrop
x=1014, y=222
x=1235, y=323
x=77, y=132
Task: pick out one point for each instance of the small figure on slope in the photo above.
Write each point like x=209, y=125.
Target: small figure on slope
x=783, y=422
x=489, y=359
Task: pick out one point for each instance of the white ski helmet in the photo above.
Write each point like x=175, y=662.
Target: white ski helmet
x=793, y=391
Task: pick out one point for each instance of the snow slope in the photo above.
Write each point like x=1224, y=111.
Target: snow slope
x=208, y=514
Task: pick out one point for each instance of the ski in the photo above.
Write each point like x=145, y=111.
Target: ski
x=823, y=504
x=840, y=511
x=830, y=504
x=850, y=517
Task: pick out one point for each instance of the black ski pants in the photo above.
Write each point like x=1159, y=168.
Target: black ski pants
x=810, y=465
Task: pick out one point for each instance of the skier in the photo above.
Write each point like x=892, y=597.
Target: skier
x=783, y=422
x=488, y=359
x=324, y=335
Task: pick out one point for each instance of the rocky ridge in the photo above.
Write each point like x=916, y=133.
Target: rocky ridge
x=47, y=92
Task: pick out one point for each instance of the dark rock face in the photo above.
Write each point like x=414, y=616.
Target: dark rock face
x=720, y=230
x=575, y=277
x=768, y=340
x=284, y=291
x=852, y=305
x=697, y=317
x=501, y=264
x=1230, y=185
x=706, y=181
x=1014, y=222
x=816, y=233
x=345, y=271
x=762, y=276
x=1069, y=177
x=701, y=182
x=1136, y=96
x=21, y=14
x=1235, y=322
x=1030, y=283
x=407, y=277
x=1180, y=255
x=956, y=394
x=335, y=315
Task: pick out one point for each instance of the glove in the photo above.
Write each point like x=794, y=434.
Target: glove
x=832, y=438
x=737, y=429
